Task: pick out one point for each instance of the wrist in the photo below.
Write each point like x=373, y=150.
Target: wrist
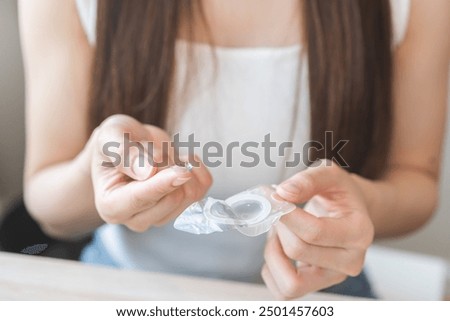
x=82, y=162
x=379, y=197
x=368, y=190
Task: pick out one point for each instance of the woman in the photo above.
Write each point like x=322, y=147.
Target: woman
x=236, y=71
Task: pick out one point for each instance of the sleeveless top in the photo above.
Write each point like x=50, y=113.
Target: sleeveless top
x=237, y=95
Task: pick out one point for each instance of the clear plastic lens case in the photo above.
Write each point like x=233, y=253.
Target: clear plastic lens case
x=251, y=212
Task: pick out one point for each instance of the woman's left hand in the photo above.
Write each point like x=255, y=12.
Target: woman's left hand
x=328, y=239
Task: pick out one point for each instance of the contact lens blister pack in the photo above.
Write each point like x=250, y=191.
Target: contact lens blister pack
x=251, y=212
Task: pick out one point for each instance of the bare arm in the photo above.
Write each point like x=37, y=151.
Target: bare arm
x=407, y=196
x=332, y=246
x=57, y=59
x=67, y=189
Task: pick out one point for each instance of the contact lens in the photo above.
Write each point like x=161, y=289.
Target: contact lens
x=251, y=212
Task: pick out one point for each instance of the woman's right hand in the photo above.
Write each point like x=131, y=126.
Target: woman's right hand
x=134, y=195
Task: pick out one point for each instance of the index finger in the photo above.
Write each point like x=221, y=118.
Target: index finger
x=301, y=187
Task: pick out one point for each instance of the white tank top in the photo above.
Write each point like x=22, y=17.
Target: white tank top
x=253, y=92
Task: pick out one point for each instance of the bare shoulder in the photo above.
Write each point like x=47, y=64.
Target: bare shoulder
x=57, y=61
x=49, y=21
x=430, y=22
x=420, y=87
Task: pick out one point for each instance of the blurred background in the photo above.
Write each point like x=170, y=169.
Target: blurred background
x=433, y=239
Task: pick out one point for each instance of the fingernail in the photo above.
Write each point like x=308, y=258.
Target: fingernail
x=142, y=172
x=277, y=197
x=180, y=169
x=289, y=188
x=180, y=181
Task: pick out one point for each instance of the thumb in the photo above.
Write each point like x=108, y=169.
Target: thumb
x=128, y=157
x=320, y=177
x=138, y=163
x=122, y=144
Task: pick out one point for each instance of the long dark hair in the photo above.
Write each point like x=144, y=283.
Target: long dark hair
x=349, y=58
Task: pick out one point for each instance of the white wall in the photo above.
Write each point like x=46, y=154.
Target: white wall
x=432, y=239
x=11, y=104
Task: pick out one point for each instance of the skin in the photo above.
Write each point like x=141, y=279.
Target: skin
x=63, y=162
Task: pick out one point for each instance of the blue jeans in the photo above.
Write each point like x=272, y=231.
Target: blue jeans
x=359, y=286
x=95, y=253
